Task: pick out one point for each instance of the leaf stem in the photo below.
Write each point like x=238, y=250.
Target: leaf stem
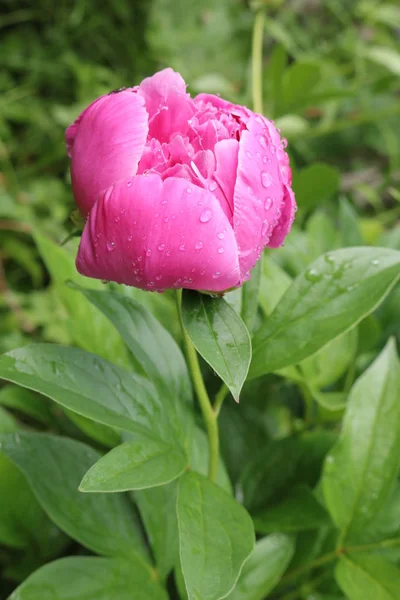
x=256, y=60
x=219, y=398
x=209, y=416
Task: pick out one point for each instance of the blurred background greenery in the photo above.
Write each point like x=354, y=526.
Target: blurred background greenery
x=331, y=81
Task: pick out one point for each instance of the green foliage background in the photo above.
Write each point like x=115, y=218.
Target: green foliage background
x=331, y=74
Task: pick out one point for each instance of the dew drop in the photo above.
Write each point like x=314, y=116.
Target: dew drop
x=313, y=275
x=148, y=252
x=130, y=238
x=213, y=186
x=198, y=245
x=206, y=216
x=249, y=154
x=268, y=203
x=129, y=184
x=139, y=259
x=151, y=284
x=182, y=247
x=221, y=236
x=158, y=277
x=220, y=250
x=157, y=215
x=117, y=219
x=161, y=247
x=264, y=228
x=166, y=219
x=216, y=275
x=265, y=159
x=110, y=246
x=266, y=179
x=263, y=142
x=189, y=190
x=163, y=201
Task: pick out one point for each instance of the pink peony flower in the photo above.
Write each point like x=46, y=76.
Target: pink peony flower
x=178, y=191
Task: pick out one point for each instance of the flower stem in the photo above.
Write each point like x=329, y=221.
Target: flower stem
x=209, y=416
x=256, y=60
x=219, y=398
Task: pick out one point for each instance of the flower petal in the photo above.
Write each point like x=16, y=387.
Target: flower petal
x=156, y=234
x=226, y=156
x=168, y=104
x=285, y=221
x=106, y=142
x=258, y=194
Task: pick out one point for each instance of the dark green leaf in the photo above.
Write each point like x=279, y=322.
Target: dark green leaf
x=220, y=336
x=314, y=185
x=216, y=537
x=110, y=395
x=250, y=291
x=155, y=351
x=135, y=465
x=274, y=283
x=367, y=577
x=157, y=508
x=264, y=568
x=102, y=434
x=329, y=298
x=26, y=402
x=361, y=468
x=54, y=467
x=299, y=511
x=90, y=578
x=8, y=423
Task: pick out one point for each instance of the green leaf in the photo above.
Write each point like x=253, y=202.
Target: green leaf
x=348, y=223
x=329, y=298
x=274, y=283
x=264, y=568
x=110, y=395
x=362, y=467
x=315, y=185
x=135, y=465
x=220, y=336
x=54, y=467
x=156, y=353
x=8, y=423
x=386, y=57
x=216, y=536
x=88, y=327
x=26, y=402
x=199, y=459
x=90, y=578
x=368, y=577
x=299, y=511
x=157, y=508
x=250, y=292
x=299, y=80
x=103, y=434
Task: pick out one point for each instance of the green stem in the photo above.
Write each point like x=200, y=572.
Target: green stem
x=209, y=416
x=219, y=398
x=256, y=60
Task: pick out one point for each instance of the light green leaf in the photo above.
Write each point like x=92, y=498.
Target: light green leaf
x=220, y=336
x=54, y=467
x=8, y=423
x=88, y=327
x=103, y=434
x=362, y=467
x=156, y=353
x=299, y=511
x=110, y=395
x=135, y=465
x=274, y=283
x=26, y=402
x=216, y=536
x=386, y=57
x=264, y=568
x=90, y=578
x=349, y=225
x=330, y=297
x=368, y=577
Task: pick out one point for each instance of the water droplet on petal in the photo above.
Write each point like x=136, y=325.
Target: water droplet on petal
x=266, y=179
x=249, y=154
x=148, y=252
x=220, y=250
x=221, y=236
x=268, y=203
x=158, y=277
x=129, y=184
x=198, y=245
x=166, y=219
x=139, y=259
x=182, y=247
x=375, y=263
x=130, y=238
x=163, y=201
x=161, y=247
x=263, y=142
x=216, y=275
x=213, y=186
x=189, y=190
x=264, y=228
x=110, y=246
x=116, y=219
x=206, y=215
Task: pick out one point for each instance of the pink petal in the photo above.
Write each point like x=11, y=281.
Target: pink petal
x=285, y=221
x=258, y=193
x=226, y=155
x=107, y=142
x=168, y=104
x=156, y=234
